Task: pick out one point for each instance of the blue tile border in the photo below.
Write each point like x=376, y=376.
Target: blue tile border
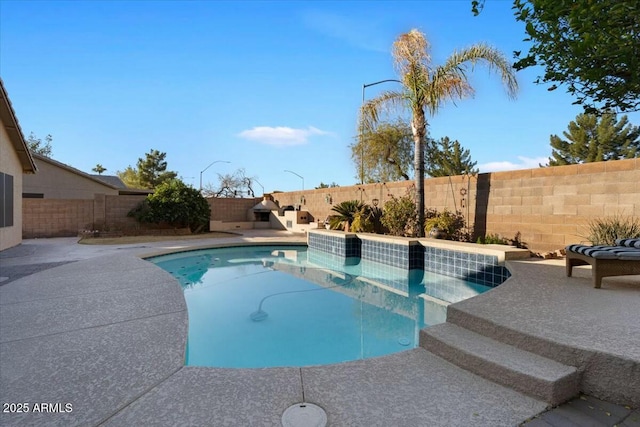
x=478, y=268
x=410, y=255
x=394, y=254
x=346, y=245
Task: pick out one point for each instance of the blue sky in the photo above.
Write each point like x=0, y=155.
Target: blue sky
x=268, y=86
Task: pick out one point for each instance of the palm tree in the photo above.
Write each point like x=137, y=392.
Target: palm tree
x=99, y=169
x=427, y=87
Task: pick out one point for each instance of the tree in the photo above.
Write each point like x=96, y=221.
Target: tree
x=384, y=153
x=152, y=170
x=427, y=87
x=232, y=185
x=36, y=145
x=176, y=204
x=99, y=169
x=323, y=185
x=130, y=177
x=592, y=138
x=447, y=158
x=592, y=47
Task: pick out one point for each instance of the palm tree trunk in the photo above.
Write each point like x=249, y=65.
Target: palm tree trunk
x=419, y=128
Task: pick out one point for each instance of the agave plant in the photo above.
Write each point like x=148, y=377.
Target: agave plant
x=345, y=214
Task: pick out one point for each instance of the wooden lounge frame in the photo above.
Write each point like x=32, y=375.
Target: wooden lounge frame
x=602, y=267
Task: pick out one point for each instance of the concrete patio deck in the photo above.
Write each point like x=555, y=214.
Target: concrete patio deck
x=98, y=336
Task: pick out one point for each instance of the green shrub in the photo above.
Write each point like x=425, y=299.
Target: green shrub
x=175, y=204
x=367, y=220
x=345, y=214
x=492, y=239
x=605, y=231
x=453, y=224
x=400, y=215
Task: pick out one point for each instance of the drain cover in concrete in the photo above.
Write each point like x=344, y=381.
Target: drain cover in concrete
x=304, y=415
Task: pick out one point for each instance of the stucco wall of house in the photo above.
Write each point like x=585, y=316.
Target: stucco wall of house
x=54, y=182
x=10, y=164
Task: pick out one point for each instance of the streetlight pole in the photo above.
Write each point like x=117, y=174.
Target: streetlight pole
x=257, y=182
x=364, y=86
x=202, y=171
x=299, y=176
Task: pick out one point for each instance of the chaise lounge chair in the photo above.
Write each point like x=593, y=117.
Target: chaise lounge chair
x=620, y=260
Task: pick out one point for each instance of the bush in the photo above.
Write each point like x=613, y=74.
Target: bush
x=400, y=215
x=605, y=231
x=345, y=213
x=176, y=204
x=367, y=220
x=492, y=239
x=453, y=224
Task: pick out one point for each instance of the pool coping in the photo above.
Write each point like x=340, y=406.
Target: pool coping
x=85, y=364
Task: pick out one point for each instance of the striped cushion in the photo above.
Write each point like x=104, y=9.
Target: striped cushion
x=630, y=255
x=606, y=252
x=629, y=243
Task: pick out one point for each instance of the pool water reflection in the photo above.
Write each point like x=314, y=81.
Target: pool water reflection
x=265, y=306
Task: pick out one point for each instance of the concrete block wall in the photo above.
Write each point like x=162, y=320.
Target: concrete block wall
x=67, y=217
x=116, y=210
x=230, y=209
x=550, y=207
x=56, y=217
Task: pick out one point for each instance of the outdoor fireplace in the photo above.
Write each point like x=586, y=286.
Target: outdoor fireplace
x=262, y=211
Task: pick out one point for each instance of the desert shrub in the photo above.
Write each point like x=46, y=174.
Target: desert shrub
x=605, y=231
x=400, y=215
x=491, y=239
x=452, y=223
x=345, y=213
x=367, y=220
x=175, y=204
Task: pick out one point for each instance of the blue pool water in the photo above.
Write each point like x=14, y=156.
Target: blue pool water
x=264, y=306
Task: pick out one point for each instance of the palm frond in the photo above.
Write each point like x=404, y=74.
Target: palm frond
x=446, y=84
x=411, y=51
x=485, y=55
x=371, y=110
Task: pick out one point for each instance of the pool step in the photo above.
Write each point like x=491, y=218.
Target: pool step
x=501, y=363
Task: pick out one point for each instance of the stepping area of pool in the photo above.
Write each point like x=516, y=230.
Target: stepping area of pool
x=98, y=335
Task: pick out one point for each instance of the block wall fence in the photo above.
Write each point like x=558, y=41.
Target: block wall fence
x=550, y=207
x=67, y=217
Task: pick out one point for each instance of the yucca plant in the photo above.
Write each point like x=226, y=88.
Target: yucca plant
x=605, y=231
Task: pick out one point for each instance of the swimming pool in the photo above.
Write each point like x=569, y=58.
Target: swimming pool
x=267, y=306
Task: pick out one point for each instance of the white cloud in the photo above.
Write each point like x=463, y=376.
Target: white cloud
x=281, y=136
x=525, y=163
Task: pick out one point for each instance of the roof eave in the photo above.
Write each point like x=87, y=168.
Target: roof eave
x=14, y=132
